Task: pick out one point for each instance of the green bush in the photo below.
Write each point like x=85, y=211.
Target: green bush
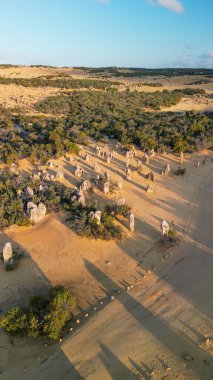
x=118, y=210
x=105, y=230
x=173, y=236
x=13, y=263
x=15, y=321
x=56, y=197
x=45, y=316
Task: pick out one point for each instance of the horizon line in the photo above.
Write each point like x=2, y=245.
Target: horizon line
x=106, y=67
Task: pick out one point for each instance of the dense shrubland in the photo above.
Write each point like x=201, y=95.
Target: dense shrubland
x=35, y=138
x=100, y=116
x=121, y=115
x=141, y=72
x=87, y=226
x=45, y=316
x=151, y=84
x=56, y=197
x=112, y=101
x=59, y=82
x=13, y=208
x=192, y=91
x=200, y=81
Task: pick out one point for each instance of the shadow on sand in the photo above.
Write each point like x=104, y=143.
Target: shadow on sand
x=160, y=329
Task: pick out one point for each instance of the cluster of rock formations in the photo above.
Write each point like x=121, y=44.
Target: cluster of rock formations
x=36, y=213
x=102, y=179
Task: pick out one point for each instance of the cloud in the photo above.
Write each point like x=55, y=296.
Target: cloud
x=207, y=55
x=173, y=5
x=204, y=60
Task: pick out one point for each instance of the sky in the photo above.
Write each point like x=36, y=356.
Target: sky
x=125, y=33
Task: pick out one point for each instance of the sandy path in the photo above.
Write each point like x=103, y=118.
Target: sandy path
x=152, y=327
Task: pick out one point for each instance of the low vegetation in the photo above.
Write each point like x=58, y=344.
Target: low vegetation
x=38, y=139
x=141, y=72
x=101, y=116
x=112, y=101
x=120, y=115
x=56, y=197
x=86, y=225
x=59, y=82
x=191, y=91
x=173, y=236
x=45, y=316
x=13, y=262
x=13, y=207
x=150, y=84
x=200, y=81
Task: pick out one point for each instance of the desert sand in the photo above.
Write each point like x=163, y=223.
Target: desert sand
x=148, y=303
x=146, y=330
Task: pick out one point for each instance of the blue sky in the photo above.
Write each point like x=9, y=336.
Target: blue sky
x=136, y=33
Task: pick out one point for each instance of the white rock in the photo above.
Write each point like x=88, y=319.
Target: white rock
x=60, y=175
x=36, y=213
x=30, y=191
x=164, y=228
x=96, y=215
x=120, y=202
x=7, y=252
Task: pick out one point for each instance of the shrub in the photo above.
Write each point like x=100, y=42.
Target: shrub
x=173, y=237
x=13, y=263
x=118, y=210
x=54, y=322
x=45, y=316
x=15, y=321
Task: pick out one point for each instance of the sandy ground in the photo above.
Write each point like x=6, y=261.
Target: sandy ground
x=33, y=72
x=189, y=104
x=151, y=327
x=146, y=333
x=12, y=96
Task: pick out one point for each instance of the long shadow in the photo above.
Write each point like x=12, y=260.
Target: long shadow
x=16, y=288
x=119, y=162
x=146, y=197
x=109, y=168
x=114, y=366
x=153, y=168
x=58, y=367
x=160, y=329
x=144, y=370
x=141, y=187
x=192, y=330
x=145, y=228
x=193, y=277
x=174, y=207
x=17, y=291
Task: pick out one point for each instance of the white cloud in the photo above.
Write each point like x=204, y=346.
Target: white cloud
x=173, y=5
x=210, y=54
x=204, y=60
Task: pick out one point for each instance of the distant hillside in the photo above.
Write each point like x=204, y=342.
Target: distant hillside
x=141, y=72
